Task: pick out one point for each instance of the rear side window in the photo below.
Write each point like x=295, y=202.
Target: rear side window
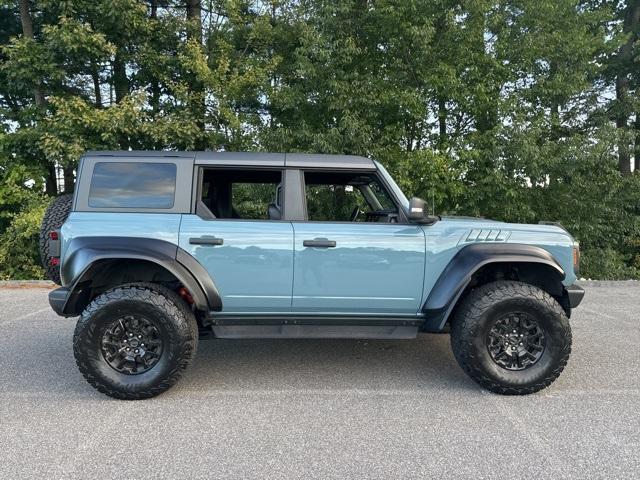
x=133, y=185
x=245, y=194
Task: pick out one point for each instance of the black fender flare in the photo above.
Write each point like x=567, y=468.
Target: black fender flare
x=86, y=253
x=457, y=274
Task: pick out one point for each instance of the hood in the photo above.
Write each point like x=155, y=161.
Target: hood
x=485, y=223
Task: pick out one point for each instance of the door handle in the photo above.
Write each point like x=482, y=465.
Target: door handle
x=319, y=243
x=206, y=241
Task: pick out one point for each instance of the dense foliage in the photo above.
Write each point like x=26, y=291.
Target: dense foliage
x=519, y=110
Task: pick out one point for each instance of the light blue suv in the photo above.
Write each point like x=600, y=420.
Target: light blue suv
x=156, y=249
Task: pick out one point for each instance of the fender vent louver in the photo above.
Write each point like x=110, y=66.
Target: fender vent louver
x=486, y=235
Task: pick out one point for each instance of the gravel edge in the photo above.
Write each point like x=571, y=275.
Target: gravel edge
x=27, y=284
x=608, y=283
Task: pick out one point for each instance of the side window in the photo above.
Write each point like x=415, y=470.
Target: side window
x=347, y=197
x=133, y=185
x=242, y=194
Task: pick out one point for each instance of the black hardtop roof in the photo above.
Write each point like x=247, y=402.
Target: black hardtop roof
x=301, y=160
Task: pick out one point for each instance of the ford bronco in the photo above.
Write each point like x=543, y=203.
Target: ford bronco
x=156, y=249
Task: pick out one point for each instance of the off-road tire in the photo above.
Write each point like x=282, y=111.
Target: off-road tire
x=55, y=215
x=476, y=315
x=171, y=316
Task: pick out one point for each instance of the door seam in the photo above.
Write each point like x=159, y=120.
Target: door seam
x=293, y=263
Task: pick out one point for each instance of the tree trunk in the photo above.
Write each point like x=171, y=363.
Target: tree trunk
x=69, y=179
x=442, y=122
x=555, y=130
x=25, y=18
x=486, y=114
x=636, y=153
x=95, y=75
x=622, y=94
x=27, y=31
x=194, y=31
x=51, y=180
x=194, y=17
x=411, y=130
x=154, y=100
x=440, y=32
x=624, y=68
x=121, y=88
x=120, y=80
x=555, y=115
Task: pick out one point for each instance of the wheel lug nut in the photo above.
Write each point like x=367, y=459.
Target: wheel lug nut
x=139, y=336
x=514, y=331
x=128, y=349
x=131, y=334
x=520, y=343
x=136, y=351
x=125, y=340
x=142, y=344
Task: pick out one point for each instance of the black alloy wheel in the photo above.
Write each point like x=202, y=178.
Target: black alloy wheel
x=516, y=341
x=132, y=344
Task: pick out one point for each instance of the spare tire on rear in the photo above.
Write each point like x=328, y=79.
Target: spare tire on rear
x=55, y=215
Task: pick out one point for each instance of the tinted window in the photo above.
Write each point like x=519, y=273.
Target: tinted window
x=132, y=185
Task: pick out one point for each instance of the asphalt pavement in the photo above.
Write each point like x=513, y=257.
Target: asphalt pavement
x=303, y=409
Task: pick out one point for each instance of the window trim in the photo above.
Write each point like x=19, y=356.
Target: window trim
x=294, y=194
x=181, y=201
x=134, y=207
x=402, y=218
x=198, y=181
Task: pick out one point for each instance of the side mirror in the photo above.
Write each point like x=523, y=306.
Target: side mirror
x=418, y=212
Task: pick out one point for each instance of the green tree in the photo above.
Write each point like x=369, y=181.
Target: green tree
x=520, y=110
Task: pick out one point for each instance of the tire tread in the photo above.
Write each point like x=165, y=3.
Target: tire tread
x=54, y=216
x=466, y=324
x=162, y=298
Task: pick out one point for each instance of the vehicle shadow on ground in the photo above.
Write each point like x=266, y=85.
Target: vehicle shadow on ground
x=326, y=365
x=42, y=364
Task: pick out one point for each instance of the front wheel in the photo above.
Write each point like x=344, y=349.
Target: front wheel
x=511, y=337
x=135, y=341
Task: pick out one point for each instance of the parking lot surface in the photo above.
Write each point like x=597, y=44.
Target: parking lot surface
x=322, y=408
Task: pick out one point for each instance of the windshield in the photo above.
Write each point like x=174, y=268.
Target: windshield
x=392, y=183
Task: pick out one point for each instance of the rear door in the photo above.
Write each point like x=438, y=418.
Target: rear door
x=238, y=235
x=353, y=254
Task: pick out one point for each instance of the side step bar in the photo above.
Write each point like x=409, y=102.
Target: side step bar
x=314, y=326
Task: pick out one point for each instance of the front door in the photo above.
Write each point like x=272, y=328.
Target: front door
x=351, y=255
x=239, y=237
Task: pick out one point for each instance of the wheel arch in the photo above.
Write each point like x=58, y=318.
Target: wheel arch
x=98, y=263
x=479, y=264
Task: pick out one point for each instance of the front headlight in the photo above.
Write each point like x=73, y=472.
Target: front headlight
x=576, y=257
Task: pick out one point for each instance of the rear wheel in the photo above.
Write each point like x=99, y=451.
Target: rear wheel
x=55, y=215
x=135, y=341
x=511, y=338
